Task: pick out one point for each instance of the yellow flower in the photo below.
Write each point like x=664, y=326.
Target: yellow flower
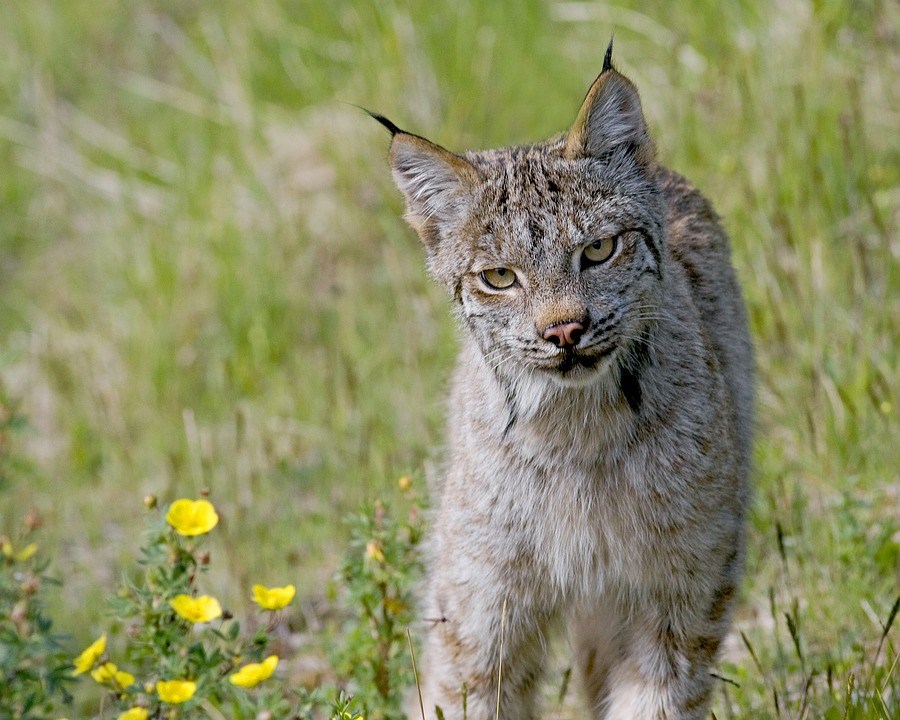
x=104, y=673
x=109, y=674
x=404, y=483
x=196, y=610
x=252, y=674
x=273, y=598
x=175, y=691
x=26, y=552
x=373, y=551
x=135, y=713
x=192, y=517
x=92, y=653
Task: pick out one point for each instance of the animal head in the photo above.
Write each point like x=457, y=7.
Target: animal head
x=553, y=252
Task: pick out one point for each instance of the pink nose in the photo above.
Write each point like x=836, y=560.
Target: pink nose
x=565, y=334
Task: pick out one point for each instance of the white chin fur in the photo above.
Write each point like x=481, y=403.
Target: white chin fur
x=579, y=377
x=535, y=388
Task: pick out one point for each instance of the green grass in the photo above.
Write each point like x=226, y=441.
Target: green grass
x=204, y=280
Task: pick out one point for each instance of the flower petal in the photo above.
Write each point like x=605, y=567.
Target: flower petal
x=91, y=654
x=192, y=517
x=175, y=691
x=252, y=674
x=135, y=713
x=374, y=552
x=123, y=679
x=196, y=609
x=274, y=598
x=104, y=673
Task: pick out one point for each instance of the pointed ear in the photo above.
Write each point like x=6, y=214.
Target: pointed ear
x=435, y=182
x=610, y=118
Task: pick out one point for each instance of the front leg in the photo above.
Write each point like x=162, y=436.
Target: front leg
x=665, y=672
x=486, y=624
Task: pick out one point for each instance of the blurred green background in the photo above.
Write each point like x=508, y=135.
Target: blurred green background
x=205, y=281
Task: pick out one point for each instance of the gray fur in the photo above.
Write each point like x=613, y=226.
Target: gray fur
x=605, y=487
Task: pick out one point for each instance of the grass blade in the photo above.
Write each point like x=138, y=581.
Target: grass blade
x=500, y=663
x=851, y=681
x=892, y=615
x=412, y=654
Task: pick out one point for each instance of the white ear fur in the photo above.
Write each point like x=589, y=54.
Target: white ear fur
x=434, y=181
x=610, y=117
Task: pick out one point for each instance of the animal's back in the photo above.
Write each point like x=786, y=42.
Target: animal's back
x=700, y=250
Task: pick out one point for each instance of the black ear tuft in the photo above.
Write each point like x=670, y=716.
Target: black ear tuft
x=610, y=119
x=393, y=129
x=607, y=59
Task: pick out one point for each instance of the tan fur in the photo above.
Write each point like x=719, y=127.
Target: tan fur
x=604, y=486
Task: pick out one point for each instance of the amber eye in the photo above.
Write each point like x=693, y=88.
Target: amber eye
x=499, y=278
x=598, y=251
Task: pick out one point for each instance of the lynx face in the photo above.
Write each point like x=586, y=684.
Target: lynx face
x=553, y=252
x=557, y=262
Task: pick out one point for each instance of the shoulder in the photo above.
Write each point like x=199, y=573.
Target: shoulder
x=694, y=229
x=687, y=206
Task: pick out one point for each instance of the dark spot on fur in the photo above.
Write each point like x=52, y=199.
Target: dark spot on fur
x=573, y=359
x=510, y=422
x=630, y=384
x=624, y=151
x=457, y=292
x=696, y=699
x=633, y=367
x=721, y=602
x=732, y=556
x=502, y=199
x=511, y=406
x=631, y=148
x=654, y=251
x=704, y=648
x=694, y=275
x=668, y=642
x=533, y=229
x=605, y=321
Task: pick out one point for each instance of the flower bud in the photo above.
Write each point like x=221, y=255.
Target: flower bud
x=31, y=585
x=373, y=551
x=19, y=612
x=33, y=521
x=150, y=501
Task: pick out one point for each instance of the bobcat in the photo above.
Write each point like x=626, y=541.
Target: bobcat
x=600, y=418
